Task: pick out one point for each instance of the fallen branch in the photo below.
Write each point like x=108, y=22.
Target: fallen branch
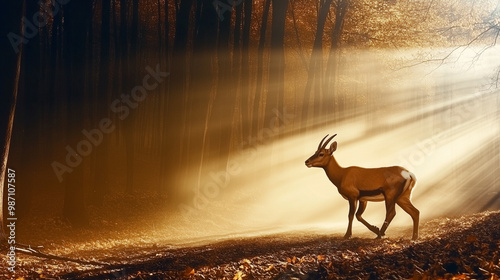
x=26, y=249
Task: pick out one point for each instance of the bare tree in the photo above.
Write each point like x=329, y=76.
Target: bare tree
x=76, y=17
x=245, y=68
x=315, y=69
x=341, y=8
x=173, y=125
x=101, y=166
x=260, y=64
x=276, y=91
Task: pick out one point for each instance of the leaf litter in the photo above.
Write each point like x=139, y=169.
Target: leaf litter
x=466, y=247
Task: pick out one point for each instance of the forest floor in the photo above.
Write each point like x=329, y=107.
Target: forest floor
x=466, y=247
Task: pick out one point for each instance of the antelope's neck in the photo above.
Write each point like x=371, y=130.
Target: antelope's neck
x=334, y=172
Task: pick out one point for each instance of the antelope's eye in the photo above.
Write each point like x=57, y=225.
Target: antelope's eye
x=321, y=154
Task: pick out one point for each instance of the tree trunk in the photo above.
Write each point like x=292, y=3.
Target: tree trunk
x=130, y=75
x=200, y=95
x=30, y=97
x=116, y=87
x=167, y=34
x=103, y=101
x=55, y=111
x=331, y=68
x=274, y=100
x=77, y=14
x=164, y=94
x=173, y=146
x=248, y=98
x=12, y=12
x=224, y=100
x=310, y=110
x=258, y=99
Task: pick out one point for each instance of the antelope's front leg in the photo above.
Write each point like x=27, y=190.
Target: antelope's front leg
x=359, y=213
x=352, y=209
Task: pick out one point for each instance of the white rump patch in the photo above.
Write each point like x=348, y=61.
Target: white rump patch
x=405, y=174
x=409, y=185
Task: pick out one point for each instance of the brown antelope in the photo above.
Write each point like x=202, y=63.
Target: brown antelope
x=393, y=184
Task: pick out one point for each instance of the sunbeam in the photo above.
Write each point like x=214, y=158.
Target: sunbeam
x=441, y=126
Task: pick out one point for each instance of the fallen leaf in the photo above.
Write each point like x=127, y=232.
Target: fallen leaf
x=471, y=238
x=239, y=275
x=189, y=271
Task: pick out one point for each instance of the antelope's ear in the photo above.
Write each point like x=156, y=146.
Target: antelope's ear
x=333, y=147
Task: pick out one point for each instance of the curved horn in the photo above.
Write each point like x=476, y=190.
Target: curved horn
x=321, y=143
x=326, y=143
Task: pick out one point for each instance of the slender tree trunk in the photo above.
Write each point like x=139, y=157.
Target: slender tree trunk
x=167, y=34
x=164, y=94
x=12, y=12
x=258, y=99
x=310, y=110
x=173, y=147
x=331, y=68
x=274, y=100
x=236, y=71
x=77, y=14
x=159, y=31
x=46, y=96
x=297, y=34
x=116, y=87
x=30, y=100
x=224, y=99
x=237, y=42
x=55, y=111
x=129, y=76
x=201, y=97
x=248, y=97
x=103, y=101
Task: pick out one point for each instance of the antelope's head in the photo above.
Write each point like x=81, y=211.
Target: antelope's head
x=322, y=156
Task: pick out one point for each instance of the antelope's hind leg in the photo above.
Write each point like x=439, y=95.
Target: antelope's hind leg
x=361, y=210
x=405, y=203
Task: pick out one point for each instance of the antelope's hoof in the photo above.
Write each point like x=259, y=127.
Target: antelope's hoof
x=347, y=236
x=375, y=229
x=414, y=238
x=380, y=235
